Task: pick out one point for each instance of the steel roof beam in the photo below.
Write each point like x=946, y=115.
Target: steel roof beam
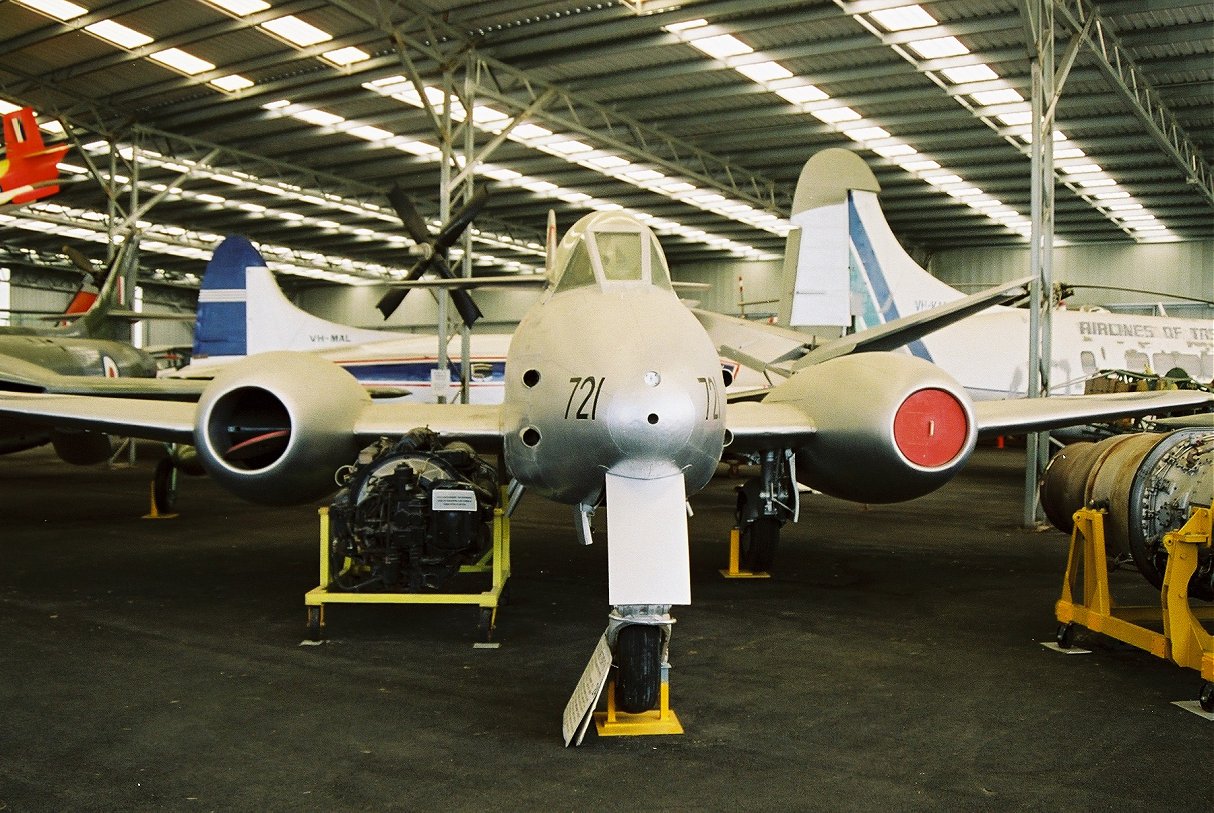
x=1136, y=90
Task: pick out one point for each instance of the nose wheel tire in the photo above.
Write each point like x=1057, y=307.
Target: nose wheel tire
x=638, y=658
x=1065, y=635
x=164, y=486
x=1206, y=698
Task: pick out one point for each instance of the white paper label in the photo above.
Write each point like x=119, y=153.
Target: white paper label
x=450, y=499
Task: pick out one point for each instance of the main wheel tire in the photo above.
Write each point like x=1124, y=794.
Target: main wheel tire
x=1205, y=698
x=638, y=656
x=164, y=486
x=759, y=542
x=1065, y=635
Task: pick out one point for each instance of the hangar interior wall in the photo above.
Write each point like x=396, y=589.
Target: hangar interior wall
x=1185, y=268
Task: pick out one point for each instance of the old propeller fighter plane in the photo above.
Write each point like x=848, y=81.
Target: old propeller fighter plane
x=91, y=345
x=614, y=393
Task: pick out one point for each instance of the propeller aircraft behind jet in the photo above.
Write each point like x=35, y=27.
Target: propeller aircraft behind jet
x=90, y=345
x=613, y=393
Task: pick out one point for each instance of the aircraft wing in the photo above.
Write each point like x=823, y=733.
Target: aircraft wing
x=783, y=351
x=760, y=425
x=907, y=329
x=478, y=424
x=17, y=375
x=169, y=421
x=1019, y=415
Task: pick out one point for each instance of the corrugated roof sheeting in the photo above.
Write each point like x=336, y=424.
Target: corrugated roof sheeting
x=602, y=53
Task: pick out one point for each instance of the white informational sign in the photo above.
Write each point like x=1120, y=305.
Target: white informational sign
x=451, y=499
x=580, y=707
x=647, y=558
x=440, y=382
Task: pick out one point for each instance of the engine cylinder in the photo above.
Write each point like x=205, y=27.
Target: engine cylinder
x=1147, y=483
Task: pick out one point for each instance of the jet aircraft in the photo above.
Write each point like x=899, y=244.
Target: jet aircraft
x=613, y=392
x=849, y=267
x=94, y=344
x=242, y=311
x=30, y=169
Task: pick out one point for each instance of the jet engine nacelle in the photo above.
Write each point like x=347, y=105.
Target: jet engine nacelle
x=273, y=428
x=890, y=427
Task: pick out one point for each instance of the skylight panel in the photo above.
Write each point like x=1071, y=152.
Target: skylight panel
x=764, y=71
x=1096, y=183
x=320, y=118
x=938, y=47
x=608, y=162
x=8, y=107
x=231, y=83
x=346, y=56
x=183, y=61
x=801, y=94
x=834, y=115
x=895, y=150
x=943, y=180
x=969, y=73
x=922, y=165
x=295, y=30
x=241, y=8
x=568, y=146
x=902, y=19
x=369, y=133
x=1081, y=169
x=863, y=134
x=721, y=46
x=118, y=34
x=59, y=9
x=991, y=97
x=1016, y=118
x=526, y=132
x=675, y=28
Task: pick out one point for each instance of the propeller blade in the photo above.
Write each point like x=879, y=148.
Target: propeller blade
x=390, y=301
x=459, y=221
x=81, y=262
x=408, y=214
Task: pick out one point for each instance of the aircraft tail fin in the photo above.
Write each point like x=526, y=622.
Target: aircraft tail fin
x=29, y=162
x=241, y=310
x=117, y=294
x=843, y=265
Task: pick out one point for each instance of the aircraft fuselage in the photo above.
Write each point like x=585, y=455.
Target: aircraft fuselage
x=618, y=379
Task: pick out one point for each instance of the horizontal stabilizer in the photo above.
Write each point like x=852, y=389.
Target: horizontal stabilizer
x=907, y=329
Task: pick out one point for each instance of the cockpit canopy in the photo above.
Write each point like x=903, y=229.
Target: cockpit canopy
x=609, y=249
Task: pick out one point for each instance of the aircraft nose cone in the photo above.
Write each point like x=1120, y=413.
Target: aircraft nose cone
x=651, y=419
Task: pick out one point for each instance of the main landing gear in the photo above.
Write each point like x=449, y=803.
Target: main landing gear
x=765, y=503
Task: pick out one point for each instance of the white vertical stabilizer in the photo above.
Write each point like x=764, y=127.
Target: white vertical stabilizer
x=275, y=323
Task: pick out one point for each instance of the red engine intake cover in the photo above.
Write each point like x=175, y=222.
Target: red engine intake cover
x=930, y=428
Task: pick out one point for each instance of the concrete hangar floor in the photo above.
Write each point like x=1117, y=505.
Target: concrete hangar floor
x=892, y=663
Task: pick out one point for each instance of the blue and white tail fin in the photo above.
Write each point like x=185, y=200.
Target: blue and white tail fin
x=242, y=311
x=843, y=265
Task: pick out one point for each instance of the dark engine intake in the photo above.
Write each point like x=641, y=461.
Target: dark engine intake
x=411, y=512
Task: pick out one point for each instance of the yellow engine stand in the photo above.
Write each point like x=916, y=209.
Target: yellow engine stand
x=662, y=720
x=496, y=561
x=1184, y=640
x=734, y=571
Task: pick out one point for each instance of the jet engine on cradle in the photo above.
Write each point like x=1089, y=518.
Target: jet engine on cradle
x=411, y=511
x=1147, y=483
x=273, y=428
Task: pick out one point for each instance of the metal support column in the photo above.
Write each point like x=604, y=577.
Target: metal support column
x=1039, y=16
